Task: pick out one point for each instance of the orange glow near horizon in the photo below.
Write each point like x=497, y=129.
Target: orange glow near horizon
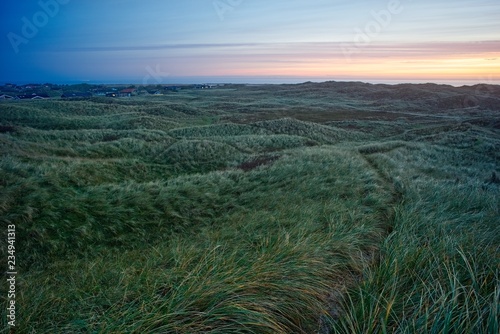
x=380, y=71
x=426, y=61
x=479, y=67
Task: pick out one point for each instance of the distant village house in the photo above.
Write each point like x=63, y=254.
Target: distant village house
x=33, y=96
x=128, y=92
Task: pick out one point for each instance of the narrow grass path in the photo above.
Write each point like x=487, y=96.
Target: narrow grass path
x=438, y=270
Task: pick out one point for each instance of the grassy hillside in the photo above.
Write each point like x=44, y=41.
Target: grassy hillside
x=314, y=208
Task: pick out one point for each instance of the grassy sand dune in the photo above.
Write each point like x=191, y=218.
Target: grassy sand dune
x=223, y=212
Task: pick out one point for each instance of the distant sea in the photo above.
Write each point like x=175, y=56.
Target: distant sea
x=265, y=80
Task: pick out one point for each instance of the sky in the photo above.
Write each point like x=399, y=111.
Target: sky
x=260, y=41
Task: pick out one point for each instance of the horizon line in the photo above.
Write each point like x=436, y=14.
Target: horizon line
x=257, y=80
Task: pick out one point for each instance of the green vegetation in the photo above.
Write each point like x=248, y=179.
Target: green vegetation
x=255, y=209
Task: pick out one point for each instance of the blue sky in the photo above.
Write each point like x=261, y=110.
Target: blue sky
x=162, y=41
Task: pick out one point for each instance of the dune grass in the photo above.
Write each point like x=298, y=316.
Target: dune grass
x=224, y=249
x=439, y=268
x=445, y=284
x=138, y=216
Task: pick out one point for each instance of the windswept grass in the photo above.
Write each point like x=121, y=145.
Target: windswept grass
x=317, y=132
x=439, y=269
x=163, y=216
x=435, y=277
x=224, y=249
